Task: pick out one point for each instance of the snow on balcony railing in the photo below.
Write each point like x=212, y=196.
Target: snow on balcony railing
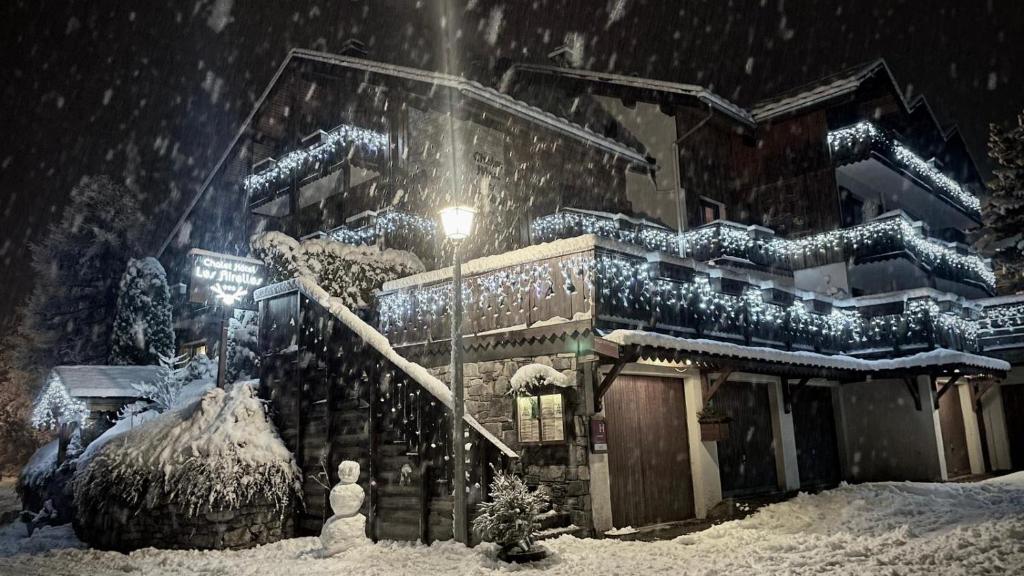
x=386, y=223
x=855, y=141
x=617, y=285
x=298, y=163
x=757, y=245
x=1002, y=323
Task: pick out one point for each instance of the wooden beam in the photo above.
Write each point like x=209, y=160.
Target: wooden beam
x=915, y=393
x=723, y=376
x=610, y=377
x=945, y=387
x=978, y=390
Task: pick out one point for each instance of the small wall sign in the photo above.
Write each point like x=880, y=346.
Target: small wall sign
x=598, y=436
x=229, y=280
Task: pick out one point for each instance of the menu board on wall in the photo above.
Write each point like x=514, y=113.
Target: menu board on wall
x=540, y=418
x=551, y=421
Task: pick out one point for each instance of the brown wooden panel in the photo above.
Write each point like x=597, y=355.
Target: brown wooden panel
x=954, y=437
x=648, y=451
x=1013, y=410
x=747, y=458
x=814, y=425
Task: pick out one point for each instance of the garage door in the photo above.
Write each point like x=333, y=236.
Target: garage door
x=1013, y=408
x=817, y=447
x=747, y=458
x=648, y=451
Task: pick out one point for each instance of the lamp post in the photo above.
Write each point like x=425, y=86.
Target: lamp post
x=457, y=222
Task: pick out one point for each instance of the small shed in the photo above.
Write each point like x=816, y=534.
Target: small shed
x=104, y=389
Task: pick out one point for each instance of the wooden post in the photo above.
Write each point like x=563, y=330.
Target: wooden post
x=222, y=353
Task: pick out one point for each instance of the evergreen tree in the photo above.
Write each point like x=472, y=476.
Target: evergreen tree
x=76, y=269
x=1004, y=212
x=510, y=518
x=143, y=331
x=243, y=358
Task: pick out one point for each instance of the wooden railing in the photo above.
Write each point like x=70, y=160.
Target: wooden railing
x=894, y=236
x=614, y=288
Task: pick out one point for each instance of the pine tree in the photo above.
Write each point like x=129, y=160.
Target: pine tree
x=76, y=270
x=510, y=518
x=143, y=331
x=243, y=358
x=1004, y=212
x=164, y=392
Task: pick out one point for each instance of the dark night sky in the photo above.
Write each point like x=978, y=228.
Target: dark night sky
x=153, y=92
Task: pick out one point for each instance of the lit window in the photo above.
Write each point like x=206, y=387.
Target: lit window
x=540, y=419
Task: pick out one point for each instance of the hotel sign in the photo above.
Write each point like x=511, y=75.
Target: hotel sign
x=225, y=279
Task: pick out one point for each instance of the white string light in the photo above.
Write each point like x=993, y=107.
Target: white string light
x=56, y=406
x=299, y=162
x=867, y=133
x=718, y=239
x=629, y=290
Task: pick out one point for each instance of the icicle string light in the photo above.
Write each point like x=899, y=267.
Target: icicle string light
x=299, y=162
x=866, y=133
x=385, y=223
x=759, y=245
x=627, y=287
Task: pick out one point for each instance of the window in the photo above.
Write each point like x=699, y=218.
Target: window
x=540, y=419
x=711, y=210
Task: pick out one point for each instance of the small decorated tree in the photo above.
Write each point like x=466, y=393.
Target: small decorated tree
x=57, y=410
x=510, y=518
x=142, y=326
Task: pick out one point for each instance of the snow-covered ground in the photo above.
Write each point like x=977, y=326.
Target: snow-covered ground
x=882, y=528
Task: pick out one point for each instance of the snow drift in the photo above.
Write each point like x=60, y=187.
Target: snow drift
x=218, y=453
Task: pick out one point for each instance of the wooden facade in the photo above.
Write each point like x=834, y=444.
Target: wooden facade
x=334, y=398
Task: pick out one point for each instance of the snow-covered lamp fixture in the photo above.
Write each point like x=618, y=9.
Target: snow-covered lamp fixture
x=457, y=222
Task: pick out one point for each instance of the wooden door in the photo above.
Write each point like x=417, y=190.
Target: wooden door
x=746, y=459
x=648, y=451
x=817, y=446
x=1013, y=411
x=954, y=438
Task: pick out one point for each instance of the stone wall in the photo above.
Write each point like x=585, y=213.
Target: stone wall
x=563, y=469
x=119, y=528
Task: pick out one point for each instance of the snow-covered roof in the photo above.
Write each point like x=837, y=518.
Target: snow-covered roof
x=380, y=343
x=470, y=88
x=824, y=90
x=105, y=381
x=700, y=93
x=932, y=358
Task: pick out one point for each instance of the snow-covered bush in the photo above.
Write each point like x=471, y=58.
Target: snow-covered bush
x=343, y=270
x=164, y=392
x=218, y=453
x=510, y=518
x=143, y=331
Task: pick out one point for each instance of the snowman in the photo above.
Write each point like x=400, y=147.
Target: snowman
x=347, y=528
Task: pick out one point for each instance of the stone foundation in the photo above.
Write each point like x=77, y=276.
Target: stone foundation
x=562, y=469
x=118, y=528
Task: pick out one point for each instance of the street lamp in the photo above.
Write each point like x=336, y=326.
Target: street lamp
x=457, y=222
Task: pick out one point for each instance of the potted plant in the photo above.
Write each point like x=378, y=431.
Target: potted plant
x=510, y=519
x=714, y=424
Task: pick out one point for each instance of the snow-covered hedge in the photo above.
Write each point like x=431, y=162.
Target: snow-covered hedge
x=343, y=270
x=219, y=453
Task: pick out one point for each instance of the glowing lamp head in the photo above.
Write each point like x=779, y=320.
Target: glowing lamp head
x=457, y=222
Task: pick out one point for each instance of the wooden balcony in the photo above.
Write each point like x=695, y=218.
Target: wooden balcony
x=608, y=285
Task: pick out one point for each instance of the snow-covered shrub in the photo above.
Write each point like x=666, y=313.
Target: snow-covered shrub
x=143, y=331
x=164, y=392
x=533, y=376
x=219, y=453
x=345, y=271
x=56, y=406
x=510, y=518
x=243, y=354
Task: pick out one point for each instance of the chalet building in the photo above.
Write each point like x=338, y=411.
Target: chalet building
x=671, y=299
